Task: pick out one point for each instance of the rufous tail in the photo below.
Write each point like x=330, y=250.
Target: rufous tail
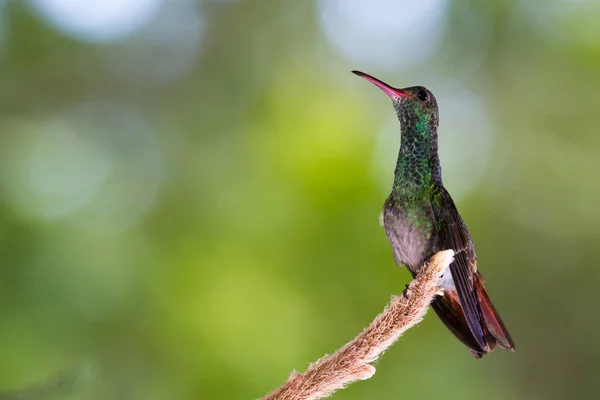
x=494, y=327
x=449, y=310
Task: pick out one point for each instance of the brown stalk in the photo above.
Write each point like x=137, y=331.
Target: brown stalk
x=353, y=361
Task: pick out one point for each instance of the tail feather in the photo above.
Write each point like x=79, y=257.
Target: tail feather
x=449, y=310
x=493, y=323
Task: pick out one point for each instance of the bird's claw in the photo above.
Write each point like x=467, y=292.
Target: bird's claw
x=404, y=291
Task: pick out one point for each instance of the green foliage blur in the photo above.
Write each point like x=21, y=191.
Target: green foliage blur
x=188, y=210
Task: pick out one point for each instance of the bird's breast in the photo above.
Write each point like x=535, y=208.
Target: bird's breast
x=409, y=229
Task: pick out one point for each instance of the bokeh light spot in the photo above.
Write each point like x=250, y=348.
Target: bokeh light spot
x=55, y=171
x=161, y=52
x=100, y=159
x=97, y=21
x=383, y=33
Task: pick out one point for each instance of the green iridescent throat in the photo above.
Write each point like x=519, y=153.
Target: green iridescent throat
x=418, y=164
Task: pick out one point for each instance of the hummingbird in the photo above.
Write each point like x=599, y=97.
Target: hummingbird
x=421, y=219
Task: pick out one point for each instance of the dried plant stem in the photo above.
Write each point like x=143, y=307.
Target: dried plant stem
x=352, y=362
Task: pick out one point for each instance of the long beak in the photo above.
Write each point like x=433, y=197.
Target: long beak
x=390, y=91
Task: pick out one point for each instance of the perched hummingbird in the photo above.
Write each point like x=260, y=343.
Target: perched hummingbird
x=420, y=219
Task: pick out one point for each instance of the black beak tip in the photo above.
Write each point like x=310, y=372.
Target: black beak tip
x=355, y=72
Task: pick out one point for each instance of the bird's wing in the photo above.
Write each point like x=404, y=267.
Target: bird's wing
x=452, y=234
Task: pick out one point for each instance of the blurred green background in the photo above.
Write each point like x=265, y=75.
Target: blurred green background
x=189, y=191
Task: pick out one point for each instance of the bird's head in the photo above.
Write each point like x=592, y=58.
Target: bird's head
x=415, y=106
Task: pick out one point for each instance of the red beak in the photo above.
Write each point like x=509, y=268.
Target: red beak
x=390, y=91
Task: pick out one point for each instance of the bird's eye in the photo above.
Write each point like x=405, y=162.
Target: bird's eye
x=422, y=95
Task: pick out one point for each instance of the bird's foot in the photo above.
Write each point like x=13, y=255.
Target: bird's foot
x=405, y=290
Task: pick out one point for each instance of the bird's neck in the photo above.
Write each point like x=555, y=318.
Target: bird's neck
x=418, y=164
